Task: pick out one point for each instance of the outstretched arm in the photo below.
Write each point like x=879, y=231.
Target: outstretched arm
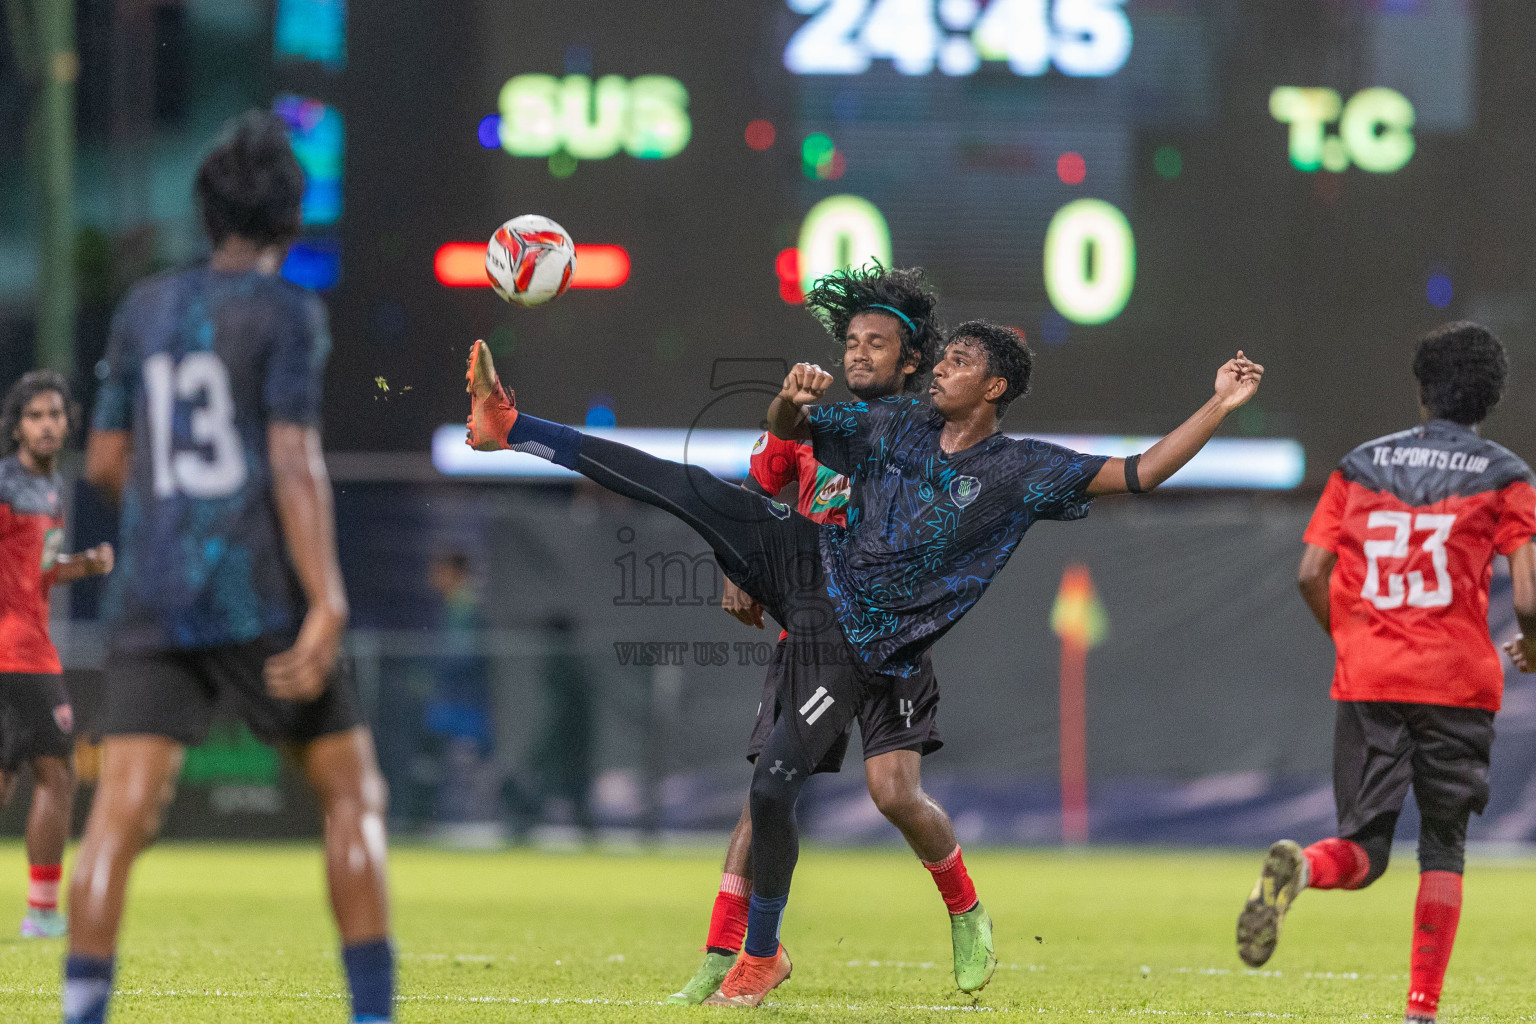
x=1312, y=579
x=805, y=384
x=1236, y=382
x=1522, y=571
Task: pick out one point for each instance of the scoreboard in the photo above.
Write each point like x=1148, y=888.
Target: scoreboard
x=1141, y=187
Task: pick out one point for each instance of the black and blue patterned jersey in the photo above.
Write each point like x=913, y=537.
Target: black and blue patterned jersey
x=199, y=364
x=926, y=530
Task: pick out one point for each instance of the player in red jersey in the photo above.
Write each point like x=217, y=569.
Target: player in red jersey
x=885, y=322
x=36, y=721
x=1398, y=560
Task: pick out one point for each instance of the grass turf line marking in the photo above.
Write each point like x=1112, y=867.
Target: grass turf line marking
x=848, y=1007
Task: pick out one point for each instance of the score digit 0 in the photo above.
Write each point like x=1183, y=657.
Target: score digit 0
x=1090, y=261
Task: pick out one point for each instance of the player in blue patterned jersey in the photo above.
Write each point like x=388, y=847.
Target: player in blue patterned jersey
x=228, y=591
x=861, y=604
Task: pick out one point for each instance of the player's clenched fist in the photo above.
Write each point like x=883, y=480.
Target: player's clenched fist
x=806, y=383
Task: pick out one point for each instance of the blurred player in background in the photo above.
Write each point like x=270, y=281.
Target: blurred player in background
x=1397, y=566
x=228, y=589
x=36, y=721
x=924, y=538
x=886, y=323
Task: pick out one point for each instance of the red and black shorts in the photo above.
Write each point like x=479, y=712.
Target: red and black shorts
x=36, y=719
x=177, y=693
x=1382, y=749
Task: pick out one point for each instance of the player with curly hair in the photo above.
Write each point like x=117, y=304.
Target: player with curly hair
x=36, y=718
x=884, y=324
x=940, y=500
x=1397, y=565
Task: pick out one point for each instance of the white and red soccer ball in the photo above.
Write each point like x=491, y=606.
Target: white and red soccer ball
x=530, y=260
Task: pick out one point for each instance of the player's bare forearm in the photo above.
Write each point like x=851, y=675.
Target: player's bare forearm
x=1236, y=382
x=1312, y=579
x=1522, y=574
x=106, y=461
x=788, y=421
x=806, y=383
x=95, y=562
x=302, y=493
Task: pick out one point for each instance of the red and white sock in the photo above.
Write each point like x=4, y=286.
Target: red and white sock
x=954, y=882
x=43, y=889
x=728, y=923
x=1336, y=864
x=1435, y=917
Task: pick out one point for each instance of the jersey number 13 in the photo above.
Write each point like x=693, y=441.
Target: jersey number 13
x=216, y=467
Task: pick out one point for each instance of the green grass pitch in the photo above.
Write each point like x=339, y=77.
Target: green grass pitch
x=240, y=933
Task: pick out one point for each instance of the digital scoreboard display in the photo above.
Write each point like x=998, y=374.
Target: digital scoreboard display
x=1141, y=187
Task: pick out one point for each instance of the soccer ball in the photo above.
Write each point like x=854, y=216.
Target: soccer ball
x=530, y=260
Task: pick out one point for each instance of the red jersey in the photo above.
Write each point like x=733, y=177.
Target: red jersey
x=31, y=534
x=1416, y=519
x=777, y=463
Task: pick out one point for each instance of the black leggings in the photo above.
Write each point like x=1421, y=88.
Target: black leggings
x=769, y=550
x=771, y=553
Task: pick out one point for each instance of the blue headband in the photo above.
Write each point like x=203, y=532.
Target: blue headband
x=899, y=314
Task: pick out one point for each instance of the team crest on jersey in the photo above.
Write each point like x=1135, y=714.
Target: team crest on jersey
x=64, y=718
x=779, y=509
x=762, y=442
x=964, y=489
x=53, y=542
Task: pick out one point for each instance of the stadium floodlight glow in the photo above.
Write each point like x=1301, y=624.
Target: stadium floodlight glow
x=1090, y=261
x=1375, y=128
x=1277, y=464
x=841, y=232
x=462, y=265
x=542, y=115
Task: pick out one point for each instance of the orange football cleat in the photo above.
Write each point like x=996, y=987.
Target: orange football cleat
x=753, y=977
x=492, y=411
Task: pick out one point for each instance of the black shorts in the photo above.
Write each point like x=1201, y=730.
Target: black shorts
x=1381, y=749
x=895, y=714
x=36, y=719
x=176, y=694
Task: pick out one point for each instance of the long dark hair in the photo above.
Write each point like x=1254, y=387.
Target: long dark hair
x=37, y=382
x=837, y=298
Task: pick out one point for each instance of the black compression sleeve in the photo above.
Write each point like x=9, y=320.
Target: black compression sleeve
x=751, y=484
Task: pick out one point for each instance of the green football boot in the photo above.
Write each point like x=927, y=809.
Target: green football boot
x=705, y=981
x=1280, y=882
x=971, y=933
